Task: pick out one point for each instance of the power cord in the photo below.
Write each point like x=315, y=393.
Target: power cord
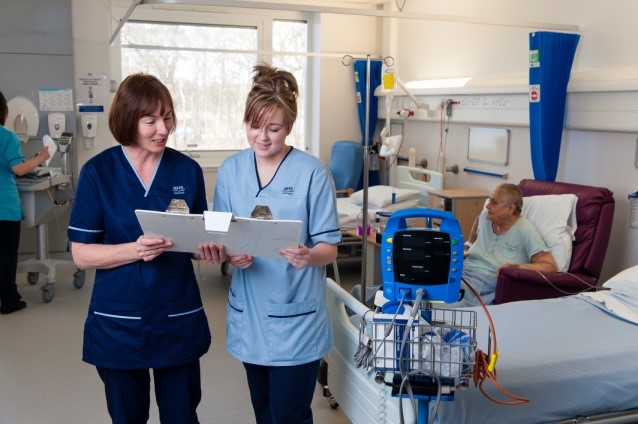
x=485, y=364
x=588, y=284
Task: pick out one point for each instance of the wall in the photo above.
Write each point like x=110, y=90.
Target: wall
x=604, y=158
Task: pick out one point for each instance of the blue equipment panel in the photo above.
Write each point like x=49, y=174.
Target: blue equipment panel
x=413, y=258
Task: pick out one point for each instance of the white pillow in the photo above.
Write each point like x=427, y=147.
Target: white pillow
x=625, y=281
x=555, y=217
x=380, y=196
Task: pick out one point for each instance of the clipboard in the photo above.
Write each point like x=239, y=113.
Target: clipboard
x=255, y=237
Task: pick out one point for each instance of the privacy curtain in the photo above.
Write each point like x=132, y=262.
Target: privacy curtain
x=551, y=56
x=360, y=72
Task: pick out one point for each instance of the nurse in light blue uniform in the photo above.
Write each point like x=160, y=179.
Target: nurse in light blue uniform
x=277, y=319
x=146, y=311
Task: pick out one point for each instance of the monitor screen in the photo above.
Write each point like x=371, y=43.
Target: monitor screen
x=421, y=257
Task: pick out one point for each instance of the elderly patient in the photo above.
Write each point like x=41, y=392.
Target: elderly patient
x=502, y=238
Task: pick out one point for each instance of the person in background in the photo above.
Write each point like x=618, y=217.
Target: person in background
x=12, y=163
x=277, y=319
x=502, y=238
x=146, y=310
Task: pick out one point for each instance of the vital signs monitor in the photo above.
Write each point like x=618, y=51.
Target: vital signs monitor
x=422, y=257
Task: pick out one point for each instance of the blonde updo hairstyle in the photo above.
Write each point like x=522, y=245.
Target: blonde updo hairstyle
x=272, y=89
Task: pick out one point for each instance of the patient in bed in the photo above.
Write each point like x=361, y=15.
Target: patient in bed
x=500, y=238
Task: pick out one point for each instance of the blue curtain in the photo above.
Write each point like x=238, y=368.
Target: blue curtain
x=551, y=58
x=360, y=72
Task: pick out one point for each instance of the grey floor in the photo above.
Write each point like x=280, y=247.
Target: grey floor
x=44, y=381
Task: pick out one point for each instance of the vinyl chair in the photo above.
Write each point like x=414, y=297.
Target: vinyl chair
x=346, y=166
x=594, y=216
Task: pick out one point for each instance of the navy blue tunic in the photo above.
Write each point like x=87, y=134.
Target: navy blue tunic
x=143, y=314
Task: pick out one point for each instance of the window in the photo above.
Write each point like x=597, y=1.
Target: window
x=208, y=68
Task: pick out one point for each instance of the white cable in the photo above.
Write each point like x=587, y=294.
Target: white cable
x=381, y=405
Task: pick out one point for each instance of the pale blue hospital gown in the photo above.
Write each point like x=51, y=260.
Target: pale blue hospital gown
x=490, y=251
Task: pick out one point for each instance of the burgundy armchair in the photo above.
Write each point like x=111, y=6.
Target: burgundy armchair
x=594, y=216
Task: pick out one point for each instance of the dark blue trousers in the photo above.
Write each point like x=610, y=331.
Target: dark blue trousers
x=282, y=395
x=10, y=231
x=177, y=393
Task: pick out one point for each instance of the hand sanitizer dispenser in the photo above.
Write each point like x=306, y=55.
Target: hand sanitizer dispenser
x=57, y=124
x=89, y=129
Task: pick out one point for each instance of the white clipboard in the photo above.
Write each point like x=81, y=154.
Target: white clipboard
x=255, y=237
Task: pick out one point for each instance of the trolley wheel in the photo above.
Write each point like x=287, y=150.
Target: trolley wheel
x=78, y=278
x=333, y=403
x=47, y=293
x=32, y=277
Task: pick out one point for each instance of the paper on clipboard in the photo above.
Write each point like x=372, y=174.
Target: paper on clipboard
x=255, y=237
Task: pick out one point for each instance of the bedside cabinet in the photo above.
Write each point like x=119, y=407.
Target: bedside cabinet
x=465, y=203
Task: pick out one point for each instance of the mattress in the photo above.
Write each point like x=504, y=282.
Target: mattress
x=568, y=356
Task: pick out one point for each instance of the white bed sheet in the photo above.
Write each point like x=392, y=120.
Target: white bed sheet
x=349, y=212
x=569, y=356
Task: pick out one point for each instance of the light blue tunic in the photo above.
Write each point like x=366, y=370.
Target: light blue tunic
x=277, y=314
x=490, y=251
x=10, y=156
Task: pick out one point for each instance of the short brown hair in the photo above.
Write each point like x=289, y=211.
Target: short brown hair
x=137, y=96
x=4, y=109
x=272, y=88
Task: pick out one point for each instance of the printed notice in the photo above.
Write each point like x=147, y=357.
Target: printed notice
x=56, y=99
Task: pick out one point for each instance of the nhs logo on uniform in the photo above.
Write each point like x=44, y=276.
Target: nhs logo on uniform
x=288, y=191
x=179, y=190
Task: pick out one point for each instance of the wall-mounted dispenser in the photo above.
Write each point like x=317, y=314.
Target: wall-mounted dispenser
x=89, y=129
x=23, y=118
x=57, y=124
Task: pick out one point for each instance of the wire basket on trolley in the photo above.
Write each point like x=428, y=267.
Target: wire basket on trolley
x=442, y=346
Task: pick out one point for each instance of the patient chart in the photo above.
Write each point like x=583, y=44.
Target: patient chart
x=255, y=237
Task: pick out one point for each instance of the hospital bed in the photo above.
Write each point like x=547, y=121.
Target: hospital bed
x=573, y=357
x=411, y=190
x=412, y=186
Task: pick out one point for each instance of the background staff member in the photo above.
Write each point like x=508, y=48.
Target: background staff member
x=12, y=163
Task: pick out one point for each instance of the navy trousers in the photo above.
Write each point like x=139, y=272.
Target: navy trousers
x=282, y=395
x=177, y=392
x=10, y=231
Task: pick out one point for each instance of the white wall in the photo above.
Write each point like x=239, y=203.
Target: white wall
x=427, y=50
x=432, y=49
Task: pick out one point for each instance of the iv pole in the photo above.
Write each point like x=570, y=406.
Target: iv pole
x=366, y=169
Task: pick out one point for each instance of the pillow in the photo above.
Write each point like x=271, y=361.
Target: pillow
x=380, y=196
x=625, y=281
x=555, y=217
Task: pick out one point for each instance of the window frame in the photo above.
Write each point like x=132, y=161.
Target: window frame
x=262, y=20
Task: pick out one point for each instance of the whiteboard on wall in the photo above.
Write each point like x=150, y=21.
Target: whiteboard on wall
x=488, y=145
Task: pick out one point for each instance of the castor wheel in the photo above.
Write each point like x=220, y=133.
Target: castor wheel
x=32, y=277
x=78, y=278
x=47, y=293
